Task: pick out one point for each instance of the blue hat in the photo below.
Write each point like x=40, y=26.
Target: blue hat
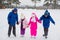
x=15, y=9
x=46, y=13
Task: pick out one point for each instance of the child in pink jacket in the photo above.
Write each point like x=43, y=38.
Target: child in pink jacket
x=33, y=25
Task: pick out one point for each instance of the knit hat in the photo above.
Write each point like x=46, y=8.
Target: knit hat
x=15, y=9
x=46, y=13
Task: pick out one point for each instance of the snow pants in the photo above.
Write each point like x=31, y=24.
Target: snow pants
x=45, y=31
x=9, y=30
x=22, y=31
x=33, y=32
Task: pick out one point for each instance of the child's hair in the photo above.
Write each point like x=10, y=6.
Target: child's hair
x=22, y=16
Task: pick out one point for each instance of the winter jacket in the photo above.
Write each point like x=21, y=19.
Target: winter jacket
x=46, y=20
x=24, y=23
x=33, y=25
x=12, y=17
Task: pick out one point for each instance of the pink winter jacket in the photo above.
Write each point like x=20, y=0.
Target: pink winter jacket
x=33, y=25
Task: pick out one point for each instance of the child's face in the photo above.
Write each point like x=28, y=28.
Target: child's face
x=33, y=15
x=15, y=12
x=46, y=15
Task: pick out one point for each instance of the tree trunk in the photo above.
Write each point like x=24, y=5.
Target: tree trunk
x=54, y=4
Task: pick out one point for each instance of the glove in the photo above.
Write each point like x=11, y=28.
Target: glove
x=40, y=22
x=54, y=23
x=17, y=23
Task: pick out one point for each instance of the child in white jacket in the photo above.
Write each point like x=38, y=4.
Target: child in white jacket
x=24, y=25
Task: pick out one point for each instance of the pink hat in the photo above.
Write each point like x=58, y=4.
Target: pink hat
x=33, y=13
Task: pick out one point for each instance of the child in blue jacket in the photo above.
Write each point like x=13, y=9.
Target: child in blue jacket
x=12, y=20
x=46, y=22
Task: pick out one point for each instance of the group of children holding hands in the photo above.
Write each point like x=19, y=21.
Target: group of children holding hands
x=13, y=19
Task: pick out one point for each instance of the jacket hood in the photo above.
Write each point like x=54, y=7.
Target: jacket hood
x=46, y=13
x=15, y=9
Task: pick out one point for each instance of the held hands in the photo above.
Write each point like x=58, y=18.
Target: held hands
x=26, y=26
x=17, y=23
x=40, y=22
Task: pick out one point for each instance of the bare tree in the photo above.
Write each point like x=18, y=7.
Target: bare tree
x=55, y=3
x=46, y=0
x=35, y=1
x=51, y=1
x=1, y=1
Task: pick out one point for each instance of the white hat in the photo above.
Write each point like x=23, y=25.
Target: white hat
x=22, y=16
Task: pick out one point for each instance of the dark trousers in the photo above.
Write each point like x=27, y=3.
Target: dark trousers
x=22, y=31
x=9, y=30
x=45, y=31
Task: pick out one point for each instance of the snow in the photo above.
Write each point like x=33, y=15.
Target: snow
x=54, y=33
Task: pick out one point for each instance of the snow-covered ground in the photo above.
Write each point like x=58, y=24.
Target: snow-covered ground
x=54, y=30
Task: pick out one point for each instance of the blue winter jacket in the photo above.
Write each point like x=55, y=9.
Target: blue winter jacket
x=46, y=20
x=12, y=18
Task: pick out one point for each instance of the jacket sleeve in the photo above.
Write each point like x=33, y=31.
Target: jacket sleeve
x=17, y=18
x=38, y=20
x=29, y=22
x=51, y=19
x=41, y=18
x=9, y=17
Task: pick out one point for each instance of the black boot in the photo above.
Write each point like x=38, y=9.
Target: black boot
x=8, y=35
x=14, y=35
